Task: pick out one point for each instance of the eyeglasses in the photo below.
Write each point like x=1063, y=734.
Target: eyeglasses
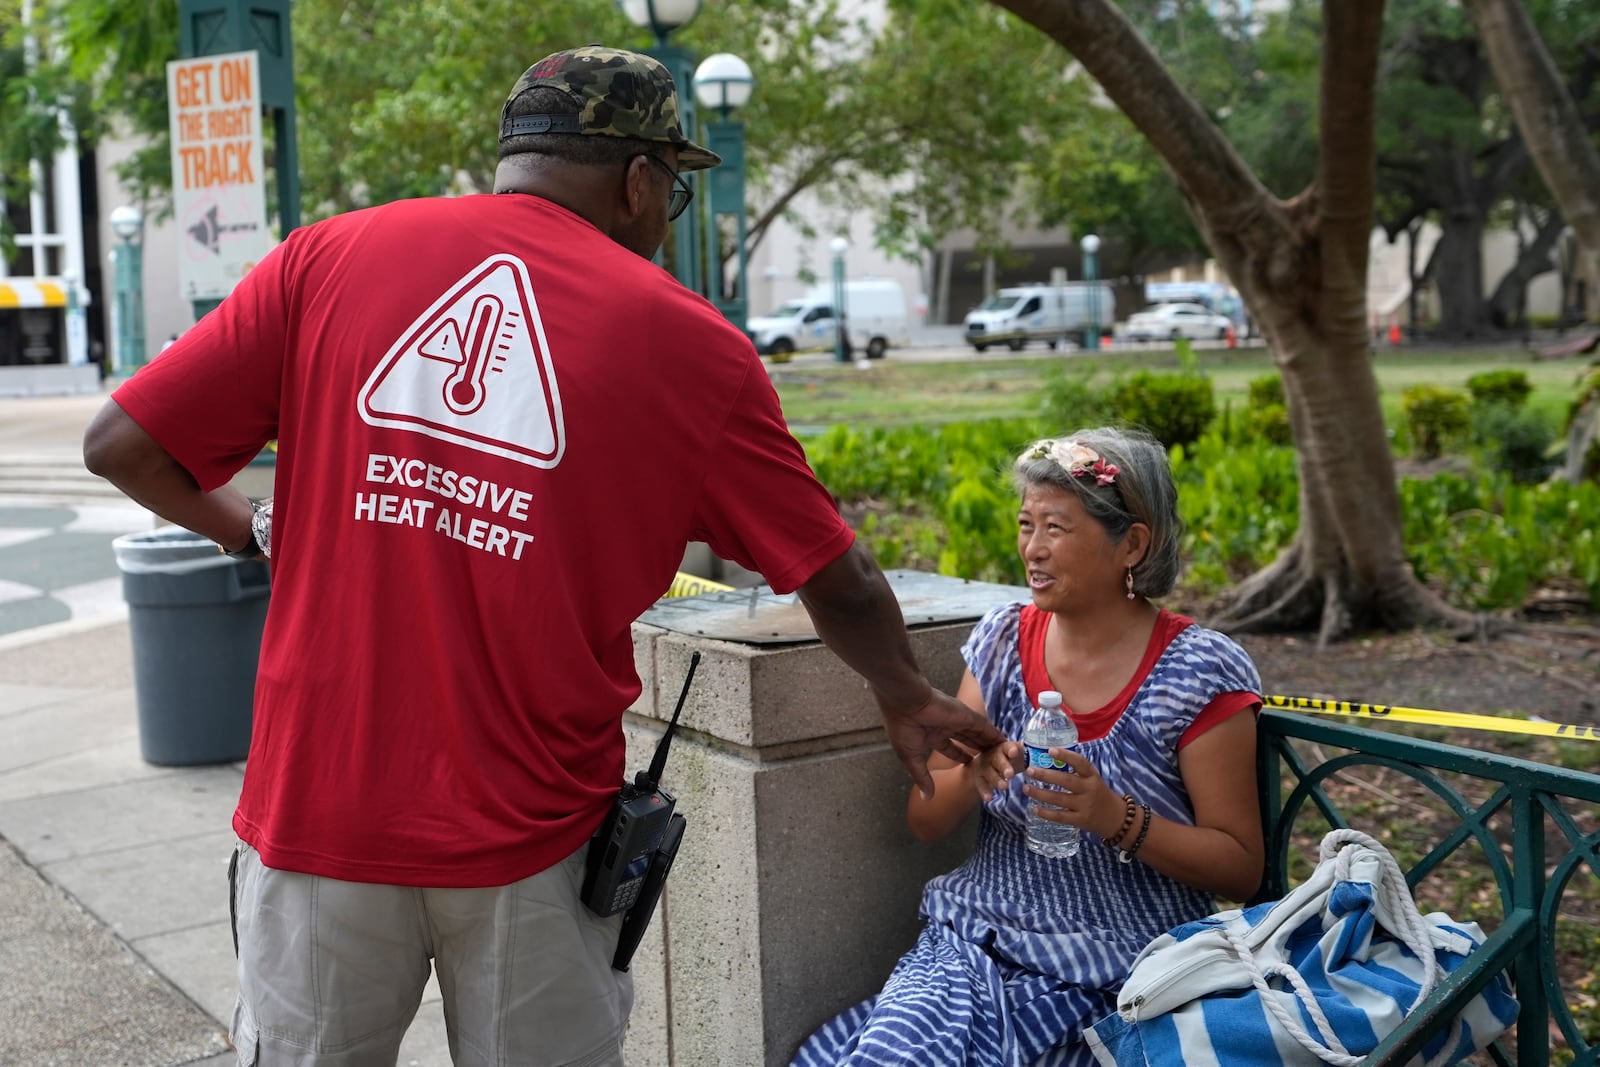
x=681, y=192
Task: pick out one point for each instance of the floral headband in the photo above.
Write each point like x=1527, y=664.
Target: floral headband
x=1078, y=460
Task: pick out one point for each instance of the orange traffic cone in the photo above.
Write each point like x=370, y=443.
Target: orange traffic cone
x=1394, y=334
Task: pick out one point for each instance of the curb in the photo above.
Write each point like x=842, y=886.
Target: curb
x=56, y=630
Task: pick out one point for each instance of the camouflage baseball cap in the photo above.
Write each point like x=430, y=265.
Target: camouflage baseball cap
x=619, y=94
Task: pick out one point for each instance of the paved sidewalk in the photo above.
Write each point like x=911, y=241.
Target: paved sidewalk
x=115, y=946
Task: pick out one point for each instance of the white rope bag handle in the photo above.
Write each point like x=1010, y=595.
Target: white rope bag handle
x=1415, y=936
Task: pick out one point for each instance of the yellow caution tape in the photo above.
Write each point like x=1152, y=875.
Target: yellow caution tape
x=693, y=585
x=1454, y=719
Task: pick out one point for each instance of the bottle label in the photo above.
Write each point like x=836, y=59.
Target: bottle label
x=1040, y=757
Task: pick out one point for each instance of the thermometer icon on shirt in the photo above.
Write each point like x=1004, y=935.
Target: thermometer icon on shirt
x=464, y=392
x=472, y=350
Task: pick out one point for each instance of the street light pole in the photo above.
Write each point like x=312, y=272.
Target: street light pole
x=841, y=344
x=661, y=18
x=127, y=222
x=723, y=83
x=1091, y=245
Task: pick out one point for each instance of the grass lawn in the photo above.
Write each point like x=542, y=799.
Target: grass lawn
x=891, y=392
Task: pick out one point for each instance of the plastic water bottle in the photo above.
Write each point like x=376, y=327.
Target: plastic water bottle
x=1049, y=727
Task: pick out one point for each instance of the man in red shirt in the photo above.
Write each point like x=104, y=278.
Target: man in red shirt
x=498, y=425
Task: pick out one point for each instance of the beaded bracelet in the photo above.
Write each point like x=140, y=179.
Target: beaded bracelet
x=1126, y=856
x=1127, y=821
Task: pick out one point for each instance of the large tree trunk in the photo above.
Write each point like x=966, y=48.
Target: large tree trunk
x=1508, y=304
x=1546, y=116
x=1301, y=266
x=1458, y=275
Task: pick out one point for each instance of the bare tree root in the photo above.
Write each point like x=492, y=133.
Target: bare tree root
x=1277, y=598
x=1285, y=597
x=1337, y=618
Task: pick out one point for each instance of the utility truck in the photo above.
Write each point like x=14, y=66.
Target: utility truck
x=1015, y=315
x=875, y=321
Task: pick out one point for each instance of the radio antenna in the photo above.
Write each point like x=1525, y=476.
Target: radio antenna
x=659, y=763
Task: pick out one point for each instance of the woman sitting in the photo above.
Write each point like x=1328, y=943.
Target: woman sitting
x=1020, y=954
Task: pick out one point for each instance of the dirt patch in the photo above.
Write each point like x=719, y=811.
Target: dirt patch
x=1552, y=672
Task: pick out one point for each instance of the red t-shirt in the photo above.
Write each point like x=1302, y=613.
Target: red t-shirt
x=497, y=429
x=1094, y=723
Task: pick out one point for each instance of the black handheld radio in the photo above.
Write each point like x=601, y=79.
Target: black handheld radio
x=631, y=854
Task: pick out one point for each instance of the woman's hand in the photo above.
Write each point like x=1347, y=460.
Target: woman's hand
x=1081, y=797
x=966, y=769
x=992, y=768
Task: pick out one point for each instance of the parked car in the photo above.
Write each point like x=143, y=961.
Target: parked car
x=1169, y=322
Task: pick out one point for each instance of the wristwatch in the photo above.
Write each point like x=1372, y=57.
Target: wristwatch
x=259, y=545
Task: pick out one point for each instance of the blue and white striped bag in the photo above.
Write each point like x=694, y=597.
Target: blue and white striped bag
x=1321, y=976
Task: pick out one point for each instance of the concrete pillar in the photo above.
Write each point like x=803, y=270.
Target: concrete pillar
x=797, y=884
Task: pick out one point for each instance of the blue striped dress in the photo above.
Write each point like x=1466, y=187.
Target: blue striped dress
x=1021, y=954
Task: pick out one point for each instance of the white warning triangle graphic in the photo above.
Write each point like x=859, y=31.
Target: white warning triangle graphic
x=474, y=369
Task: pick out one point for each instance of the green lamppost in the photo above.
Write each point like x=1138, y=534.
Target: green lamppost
x=127, y=222
x=723, y=83
x=1091, y=245
x=661, y=18
x=841, y=344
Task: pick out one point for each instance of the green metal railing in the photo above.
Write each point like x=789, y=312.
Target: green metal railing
x=1533, y=845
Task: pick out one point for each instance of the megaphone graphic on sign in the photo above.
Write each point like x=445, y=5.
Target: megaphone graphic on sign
x=208, y=231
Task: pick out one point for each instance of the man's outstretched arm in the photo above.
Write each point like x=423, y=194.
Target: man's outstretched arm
x=857, y=616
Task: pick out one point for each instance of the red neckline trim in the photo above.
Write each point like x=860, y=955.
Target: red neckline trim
x=1036, y=679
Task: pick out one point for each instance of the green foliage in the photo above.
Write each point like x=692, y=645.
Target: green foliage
x=1266, y=417
x=1240, y=506
x=942, y=499
x=911, y=466
x=1070, y=400
x=1275, y=119
x=1270, y=424
x=1435, y=419
x=1175, y=408
x=1513, y=440
x=1102, y=177
x=31, y=91
x=980, y=515
x=1485, y=542
x=1265, y=391
x=1508, y=386
x=1586, y=393
x=400, y=101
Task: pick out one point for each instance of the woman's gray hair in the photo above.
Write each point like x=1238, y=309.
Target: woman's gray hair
x=1141, y=491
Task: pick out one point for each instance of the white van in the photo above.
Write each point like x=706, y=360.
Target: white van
x=875, y=316
x=1049, y=313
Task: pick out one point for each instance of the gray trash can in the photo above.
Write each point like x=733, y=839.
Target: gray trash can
x=195, y=617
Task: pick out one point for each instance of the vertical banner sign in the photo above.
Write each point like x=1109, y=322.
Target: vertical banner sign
x=218, y=186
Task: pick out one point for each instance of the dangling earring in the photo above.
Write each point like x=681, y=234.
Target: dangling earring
x=1130, y=583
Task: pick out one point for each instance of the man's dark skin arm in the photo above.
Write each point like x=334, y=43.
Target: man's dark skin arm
x=118, y=450
x=858, y=618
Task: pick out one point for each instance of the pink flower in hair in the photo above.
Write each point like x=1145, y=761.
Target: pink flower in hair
x=1074, y=457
